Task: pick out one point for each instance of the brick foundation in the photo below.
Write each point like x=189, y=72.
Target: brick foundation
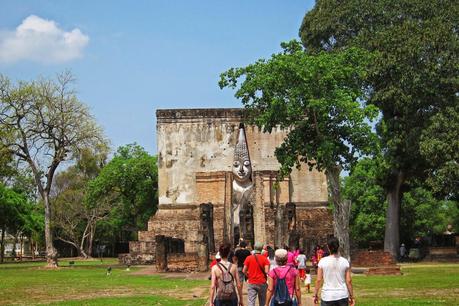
x=365, y=258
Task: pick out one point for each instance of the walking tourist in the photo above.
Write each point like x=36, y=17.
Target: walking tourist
x=292, y=254
x=318, y=254
x=335, y=274
x=214, y=262
x=256, y=268
x=301, y=264
x=225, y=287
x=272, y=261
x=284, y=286
x=240, y=255
x=217, y=259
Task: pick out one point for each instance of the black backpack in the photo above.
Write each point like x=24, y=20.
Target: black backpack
x=281, y=295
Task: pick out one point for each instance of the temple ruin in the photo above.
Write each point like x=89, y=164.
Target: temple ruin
x=217, y=182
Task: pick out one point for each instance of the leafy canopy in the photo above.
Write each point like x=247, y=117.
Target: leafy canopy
x=128, y=184
x=413, y=74
x=440, y=147
x=317, y=98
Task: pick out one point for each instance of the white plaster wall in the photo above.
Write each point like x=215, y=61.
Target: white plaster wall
x=187, y=146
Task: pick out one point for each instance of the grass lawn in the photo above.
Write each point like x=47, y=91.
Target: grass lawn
x=87, y=284
x=420, y=284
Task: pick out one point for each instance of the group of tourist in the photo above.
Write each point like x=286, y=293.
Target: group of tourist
x=275, y=277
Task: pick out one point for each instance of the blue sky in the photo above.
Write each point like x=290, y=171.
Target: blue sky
x=133, y=57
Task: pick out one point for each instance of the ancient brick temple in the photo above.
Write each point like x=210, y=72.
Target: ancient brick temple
x=217, y=183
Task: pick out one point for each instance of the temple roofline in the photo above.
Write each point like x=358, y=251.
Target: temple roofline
x=198, y=113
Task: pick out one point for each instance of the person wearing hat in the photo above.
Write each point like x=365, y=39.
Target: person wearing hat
x=256, y=268
x=216, y=260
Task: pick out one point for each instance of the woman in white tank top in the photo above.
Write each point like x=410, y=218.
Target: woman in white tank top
x=335, y=274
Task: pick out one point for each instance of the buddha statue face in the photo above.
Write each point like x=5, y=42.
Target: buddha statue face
x=242, y=170
x=242, y=167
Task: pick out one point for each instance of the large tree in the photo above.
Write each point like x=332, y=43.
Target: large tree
x=422, y=213
x=75, y=219
x=316, y=98
x=128, y=186
x=413, y=75
x=46, y=125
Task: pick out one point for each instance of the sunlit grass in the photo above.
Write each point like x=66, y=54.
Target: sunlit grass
x=420, y=284
x=87, y=283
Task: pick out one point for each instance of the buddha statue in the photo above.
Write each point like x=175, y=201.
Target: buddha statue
x=242, y=182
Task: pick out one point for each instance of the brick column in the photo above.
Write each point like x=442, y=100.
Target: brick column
x=203, y=257
x=258, y=209
x=161, y=253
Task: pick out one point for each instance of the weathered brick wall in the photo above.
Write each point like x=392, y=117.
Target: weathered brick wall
x=142, y=247
x=218, y=225
x=365, y=258
x=136, y=259
x=182, y=262
x=176, y=222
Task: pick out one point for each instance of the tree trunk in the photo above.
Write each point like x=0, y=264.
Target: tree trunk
x=392, y=233
x=2, y=244
x=51, y=253
x=22, y=247
x=91, y=237
x=341, y=211
x=79, y=248
x=32, y=248
x=15, y=242
x=83, y=253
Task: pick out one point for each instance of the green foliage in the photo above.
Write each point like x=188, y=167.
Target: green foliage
x=7, y=168
x=440, y=147
x=413, y=75
x=20, y=215
x=316, y=97
x=421, y=213
x=128, y=183
x=368, y=202
x=12, y=208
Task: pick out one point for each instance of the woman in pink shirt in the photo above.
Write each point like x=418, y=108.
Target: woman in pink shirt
x=291, y=256
x=290, y=273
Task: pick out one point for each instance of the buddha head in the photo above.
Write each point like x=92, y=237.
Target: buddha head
x=242, y=167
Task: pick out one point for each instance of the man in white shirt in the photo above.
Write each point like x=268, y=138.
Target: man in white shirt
x=335, y=273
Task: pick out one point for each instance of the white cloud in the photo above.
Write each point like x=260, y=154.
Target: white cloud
x=40, y=40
